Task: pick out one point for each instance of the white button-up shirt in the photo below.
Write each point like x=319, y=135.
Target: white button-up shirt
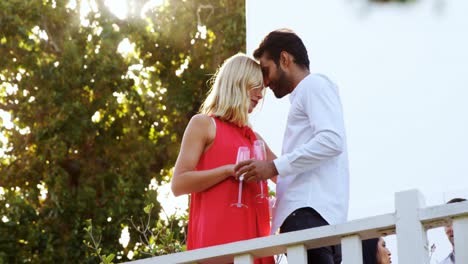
x=313, y=170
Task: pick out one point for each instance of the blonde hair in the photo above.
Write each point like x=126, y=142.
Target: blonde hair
x=228, y=97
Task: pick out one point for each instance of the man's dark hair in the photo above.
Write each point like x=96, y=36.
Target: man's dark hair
x=456, y=200
x=283, y=40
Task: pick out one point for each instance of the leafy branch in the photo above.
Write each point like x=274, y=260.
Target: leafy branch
x=95, y=246
x=163, y=238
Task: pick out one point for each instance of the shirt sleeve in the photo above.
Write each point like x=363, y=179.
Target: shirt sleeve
x=321, y=103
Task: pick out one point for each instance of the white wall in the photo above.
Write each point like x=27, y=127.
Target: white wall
x=402, y=70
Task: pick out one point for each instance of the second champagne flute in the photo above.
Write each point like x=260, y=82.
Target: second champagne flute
x=259, y=153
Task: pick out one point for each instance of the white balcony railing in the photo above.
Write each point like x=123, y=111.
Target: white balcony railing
x=409, y=222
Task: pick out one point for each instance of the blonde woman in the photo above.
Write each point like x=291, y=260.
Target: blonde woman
x=205, y=165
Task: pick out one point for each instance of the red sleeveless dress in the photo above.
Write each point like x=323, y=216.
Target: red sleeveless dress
x=212, y=219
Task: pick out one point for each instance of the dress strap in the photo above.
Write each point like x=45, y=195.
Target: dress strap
x=249, y=134
x=214, y=121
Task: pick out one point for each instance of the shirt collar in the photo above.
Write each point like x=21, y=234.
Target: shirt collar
x=293, y=94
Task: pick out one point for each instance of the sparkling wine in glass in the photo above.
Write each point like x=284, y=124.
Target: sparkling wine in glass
x=259, y=153
x=243, y=153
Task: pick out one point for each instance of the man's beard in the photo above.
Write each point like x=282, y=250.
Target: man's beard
x=283, y=85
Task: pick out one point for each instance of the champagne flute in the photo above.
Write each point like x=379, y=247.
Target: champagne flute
x=243, y=153
x=259, y=153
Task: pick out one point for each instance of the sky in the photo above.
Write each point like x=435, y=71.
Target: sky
x=402, y=71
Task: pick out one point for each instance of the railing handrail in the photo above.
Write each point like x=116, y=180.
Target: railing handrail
x=370, y=227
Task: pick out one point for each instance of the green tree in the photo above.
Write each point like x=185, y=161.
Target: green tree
x=98, y=105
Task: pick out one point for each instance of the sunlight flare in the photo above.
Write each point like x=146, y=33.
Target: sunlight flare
x=118, y=7
x=124, y=237
x=171, y=205
x=150, y=5
x=125, y=47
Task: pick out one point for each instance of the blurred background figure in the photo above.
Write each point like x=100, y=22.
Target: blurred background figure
x=374, y=251
x=450, y=259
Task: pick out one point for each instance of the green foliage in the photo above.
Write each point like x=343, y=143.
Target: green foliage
x=92, y=126
x=165, y=236
x=94, y=244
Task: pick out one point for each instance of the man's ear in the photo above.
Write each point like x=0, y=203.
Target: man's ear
x=285, y=59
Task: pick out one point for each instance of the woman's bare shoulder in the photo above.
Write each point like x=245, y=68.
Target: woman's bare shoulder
x=201, y=119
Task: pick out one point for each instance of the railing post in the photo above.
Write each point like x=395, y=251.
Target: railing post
x=411, y=234
x=351, y=247
x=244, y=259
x=460, y=233
x=297, y=254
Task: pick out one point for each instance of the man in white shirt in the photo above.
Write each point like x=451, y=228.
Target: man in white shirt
x=450, y=259
x=313, y=180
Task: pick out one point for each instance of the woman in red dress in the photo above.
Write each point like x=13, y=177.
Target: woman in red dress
x=205, y=165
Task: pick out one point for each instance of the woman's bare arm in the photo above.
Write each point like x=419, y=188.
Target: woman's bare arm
x=198, y=136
